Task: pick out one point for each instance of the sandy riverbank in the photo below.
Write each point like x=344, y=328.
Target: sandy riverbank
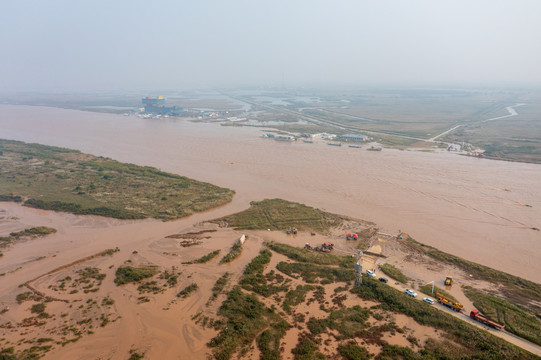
x=164, y=327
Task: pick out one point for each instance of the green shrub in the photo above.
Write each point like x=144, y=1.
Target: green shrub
x=269, y=340
x=394, y=272
x=234, y=253
x=128, y=274
x=296, y=297
x=205, y=258
x=307, y=349
x=184, y=293
x=219, y=286
x=246, y=317
x=352, y=351
x=38, y=308
x=257, y=265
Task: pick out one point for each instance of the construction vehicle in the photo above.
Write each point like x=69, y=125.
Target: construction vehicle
x=291, y=230
x=477, y=316
x=453, y=305
x=321, y=248
x=328, y=246
x=448, y=281
x=325, y=247
x=351, y=236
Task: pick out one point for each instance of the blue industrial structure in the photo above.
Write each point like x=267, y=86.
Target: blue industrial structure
x=156, y=106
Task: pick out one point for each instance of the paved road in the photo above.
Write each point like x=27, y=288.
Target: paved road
x=513, y=339
x=510, y=109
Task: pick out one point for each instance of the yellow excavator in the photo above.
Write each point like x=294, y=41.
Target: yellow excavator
x=448, y=281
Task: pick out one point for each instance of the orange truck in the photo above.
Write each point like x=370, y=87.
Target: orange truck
x=477, y=316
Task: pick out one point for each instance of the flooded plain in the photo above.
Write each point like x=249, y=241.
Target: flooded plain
x=481, y=210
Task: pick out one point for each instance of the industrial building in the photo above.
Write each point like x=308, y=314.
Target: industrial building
x=355, y=137
x=156, y=106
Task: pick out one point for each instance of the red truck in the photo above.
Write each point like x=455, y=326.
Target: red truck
x=476, y=315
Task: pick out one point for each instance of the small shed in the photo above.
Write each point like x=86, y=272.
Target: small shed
x=242, y=239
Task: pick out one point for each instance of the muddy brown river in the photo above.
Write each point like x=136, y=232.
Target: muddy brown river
x=481, y=210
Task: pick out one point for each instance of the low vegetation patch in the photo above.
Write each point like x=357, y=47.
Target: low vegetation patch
x=257, y=265
x=352, y=351
x=296, y=297
x=312, y=273
x=184, y=293
x=234, y=253
x=269, y=340
x=517, y=319
x=171, y=278
x=219, y=287
x=278, y=214
x=26, y=233
x=66, y=180
x=204, y=259
x=135, y=355
x=310, y=256
x=150, y=287
x=254, y=280
x=348, y=323
x=265, y=285
x=394, y=272
x=307, y=349
x=246, y=317
x=27, y=296
x=128, y=274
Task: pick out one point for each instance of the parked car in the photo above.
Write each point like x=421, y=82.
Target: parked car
x=410, y=292
x=382, y=279
x=370, y=273
x=428, y=300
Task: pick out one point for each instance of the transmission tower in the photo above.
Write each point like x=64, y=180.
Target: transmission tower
x=359, y=269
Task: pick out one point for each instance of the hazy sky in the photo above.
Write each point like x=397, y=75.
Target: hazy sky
x=111, y=44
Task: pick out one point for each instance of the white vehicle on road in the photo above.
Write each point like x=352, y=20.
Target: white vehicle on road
x=370, y=273
x=410, y=292
x=428, y=300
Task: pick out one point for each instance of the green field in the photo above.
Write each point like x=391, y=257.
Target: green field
x=60, y=179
